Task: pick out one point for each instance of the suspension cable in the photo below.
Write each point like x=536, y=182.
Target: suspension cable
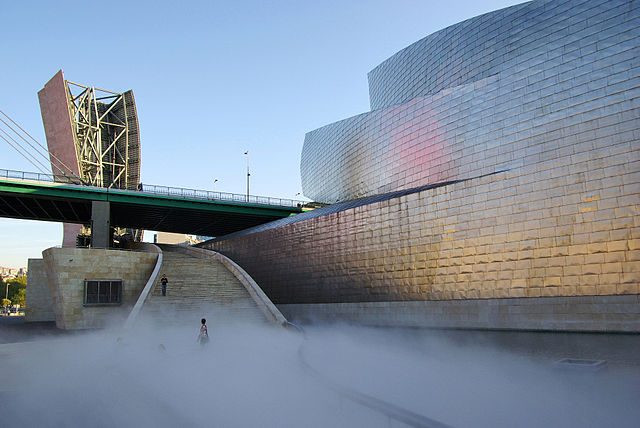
x=36, y=149
x=21, y=153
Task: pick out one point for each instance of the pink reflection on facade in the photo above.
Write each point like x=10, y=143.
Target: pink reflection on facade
x=417, y=146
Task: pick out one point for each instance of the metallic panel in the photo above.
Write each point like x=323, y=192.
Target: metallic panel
x=536, y=124
x=522, y=81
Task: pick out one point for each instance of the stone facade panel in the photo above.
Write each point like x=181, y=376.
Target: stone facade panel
x=38, y=297
x=67, y=268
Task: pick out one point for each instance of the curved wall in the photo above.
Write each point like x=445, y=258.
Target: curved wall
x=462, y=53
x=550, y=243
x=132, y=143
x=533, y=81
x=516, y=250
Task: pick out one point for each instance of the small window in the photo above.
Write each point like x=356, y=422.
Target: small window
x=102, y=292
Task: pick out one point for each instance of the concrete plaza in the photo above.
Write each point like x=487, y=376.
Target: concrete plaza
x=251, y=375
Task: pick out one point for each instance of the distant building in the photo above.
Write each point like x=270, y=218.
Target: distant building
x=11, y=273
x=176, y=238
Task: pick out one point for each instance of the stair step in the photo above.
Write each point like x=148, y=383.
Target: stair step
x=197, y=285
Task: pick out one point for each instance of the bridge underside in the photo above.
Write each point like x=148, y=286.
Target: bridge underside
x=133, y=210
x=180, y=220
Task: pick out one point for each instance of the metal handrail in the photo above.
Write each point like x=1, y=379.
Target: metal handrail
x=153, y=189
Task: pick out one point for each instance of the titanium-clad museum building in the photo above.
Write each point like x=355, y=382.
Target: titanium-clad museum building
x=495, y=183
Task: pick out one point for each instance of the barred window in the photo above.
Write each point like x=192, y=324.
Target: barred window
x=102, y=291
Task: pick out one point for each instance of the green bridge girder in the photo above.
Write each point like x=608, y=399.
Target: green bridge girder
x=44, y=201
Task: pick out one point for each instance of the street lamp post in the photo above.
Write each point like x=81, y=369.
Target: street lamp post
x=248, y=174
x=215, y=180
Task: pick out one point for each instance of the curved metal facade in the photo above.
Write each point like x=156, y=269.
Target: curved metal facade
x=545, y=82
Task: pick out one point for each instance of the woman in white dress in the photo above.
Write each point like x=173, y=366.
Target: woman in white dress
x=203, y=337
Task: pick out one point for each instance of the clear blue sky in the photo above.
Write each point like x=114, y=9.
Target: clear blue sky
x=211, y=80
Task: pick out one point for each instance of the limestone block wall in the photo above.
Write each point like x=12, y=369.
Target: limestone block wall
x=39, y=306
x=67, y=268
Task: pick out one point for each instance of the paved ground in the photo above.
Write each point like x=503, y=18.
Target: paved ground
x=462, y=378
x=618, y=350
x=14, y=329
x=249, y=375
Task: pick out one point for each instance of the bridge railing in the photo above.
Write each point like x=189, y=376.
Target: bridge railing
x=176, y=192
x=180, y=192
x=37, y=176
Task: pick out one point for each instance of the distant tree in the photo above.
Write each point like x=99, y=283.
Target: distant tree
x=21, y=297
x=6, y=302
x=22, y=280
x=17, y=290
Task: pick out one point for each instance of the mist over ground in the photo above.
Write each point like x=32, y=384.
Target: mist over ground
x=251, y=376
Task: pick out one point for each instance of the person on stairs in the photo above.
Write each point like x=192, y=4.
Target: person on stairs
x=164, y=281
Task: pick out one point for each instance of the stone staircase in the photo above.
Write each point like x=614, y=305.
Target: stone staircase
x=198, y=288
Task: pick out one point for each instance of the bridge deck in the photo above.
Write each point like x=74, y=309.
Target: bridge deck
x=156, y=208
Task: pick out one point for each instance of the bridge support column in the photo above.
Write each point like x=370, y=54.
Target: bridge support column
x=100, y=224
